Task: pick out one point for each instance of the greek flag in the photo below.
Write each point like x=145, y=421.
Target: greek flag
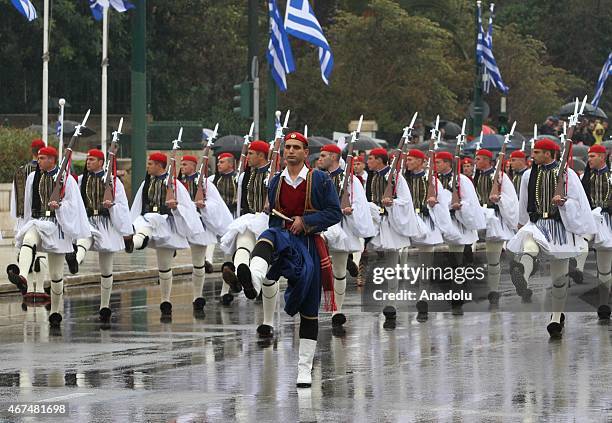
x=605, y=72
x=301, y=23
x=484, y=54
x=97, y=7
x=58, y=128
x=26, y=8
x=121, y=5
x=279, y=53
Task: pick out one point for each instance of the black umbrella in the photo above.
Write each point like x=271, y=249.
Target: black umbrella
x=494, y=142
x=228, y=144
x=589, y=110
x=580, y=151
x=39, y=128
x=451, y=129
x=364, y=143
x=69, y=126
x=318, y=142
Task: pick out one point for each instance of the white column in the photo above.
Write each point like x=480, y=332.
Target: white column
x=45, y=91
x=104, y=116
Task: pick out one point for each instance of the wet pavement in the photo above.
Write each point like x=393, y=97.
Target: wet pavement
x=492, y=367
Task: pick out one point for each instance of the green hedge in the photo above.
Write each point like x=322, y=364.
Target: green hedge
x=14, y=150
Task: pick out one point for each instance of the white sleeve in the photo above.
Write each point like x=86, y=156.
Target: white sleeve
x=71, y=215
x=576, y=212
x=401, y=214
x=239, y=194
x=216, y=215
x=187, y=212
x=508, y=203
x=136, y=208
x=470, y=214
x=524, y=198
x=360, y=221
x=13, y=205
x=27, y=199
x=120, y=212
x=440, y=213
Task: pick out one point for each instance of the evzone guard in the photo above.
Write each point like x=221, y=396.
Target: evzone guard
x=108, y=213
x=554, y=223
x=499, y=203
x=597, y=183
x=214, y=219
x=303, y=203
x=393, y=214
x=346, y=236
x=54, y=218
x=37, y=289
x=164, y=217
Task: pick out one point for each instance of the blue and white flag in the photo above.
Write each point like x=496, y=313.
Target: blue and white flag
x=26, y=8
x=484, y=54
x=279, y=53
x=606, y=71
x=58, y=128
x=121, y=5
x=97, y=8
x=301, y=22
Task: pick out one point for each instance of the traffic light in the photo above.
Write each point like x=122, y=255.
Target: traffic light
x=244, y=99
x=502, y=126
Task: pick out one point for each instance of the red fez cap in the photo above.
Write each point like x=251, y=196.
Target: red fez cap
x=94, y=152
x=378, y=152
x=597, y=148
x=444, y=155
x=225, y=156
x=546, y=144
x=190, y=159
x=48, y=151
x=260, y=146
x=332, y=148
x=518, y=154
x=159, y=157
x=296, y=136
x=484, y=152
x=38, y=143
x=467, y=160
x=417, y=154
x=360, y=159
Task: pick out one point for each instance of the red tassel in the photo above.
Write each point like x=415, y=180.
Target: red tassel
x=327, y=276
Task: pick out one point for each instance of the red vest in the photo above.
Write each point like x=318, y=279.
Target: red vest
x=292, y=200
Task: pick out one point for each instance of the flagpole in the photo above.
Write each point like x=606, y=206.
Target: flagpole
x=104, y=116
x=45, y=81
x=62, y=103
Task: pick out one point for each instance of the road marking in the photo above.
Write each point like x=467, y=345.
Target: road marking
x=66, y=397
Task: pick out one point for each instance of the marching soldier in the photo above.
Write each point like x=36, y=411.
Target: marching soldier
x=467, y=167
x=466, y=214
x=553, y=225
x=597, y=183
x=394, y=217
x=501, y=213
x=215, y=217
x=49, y=226
x=432, y=208
x=163, y=223
x=109, y=222
x=347, y=236
x=304, y=203
x=242, y=233
x=35, y=292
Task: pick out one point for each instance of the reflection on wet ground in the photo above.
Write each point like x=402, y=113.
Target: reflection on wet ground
x=476, y=367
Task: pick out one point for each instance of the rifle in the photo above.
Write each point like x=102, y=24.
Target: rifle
x=347, y=175
x=171, y=178
x=396, y=163
x=497, y=176
x=561, y=189
x=243, y=154
x=203, y=170
x=110, y=171
x=60, y=177
x=274, y=155
x=432, y=186
x=456, y=198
